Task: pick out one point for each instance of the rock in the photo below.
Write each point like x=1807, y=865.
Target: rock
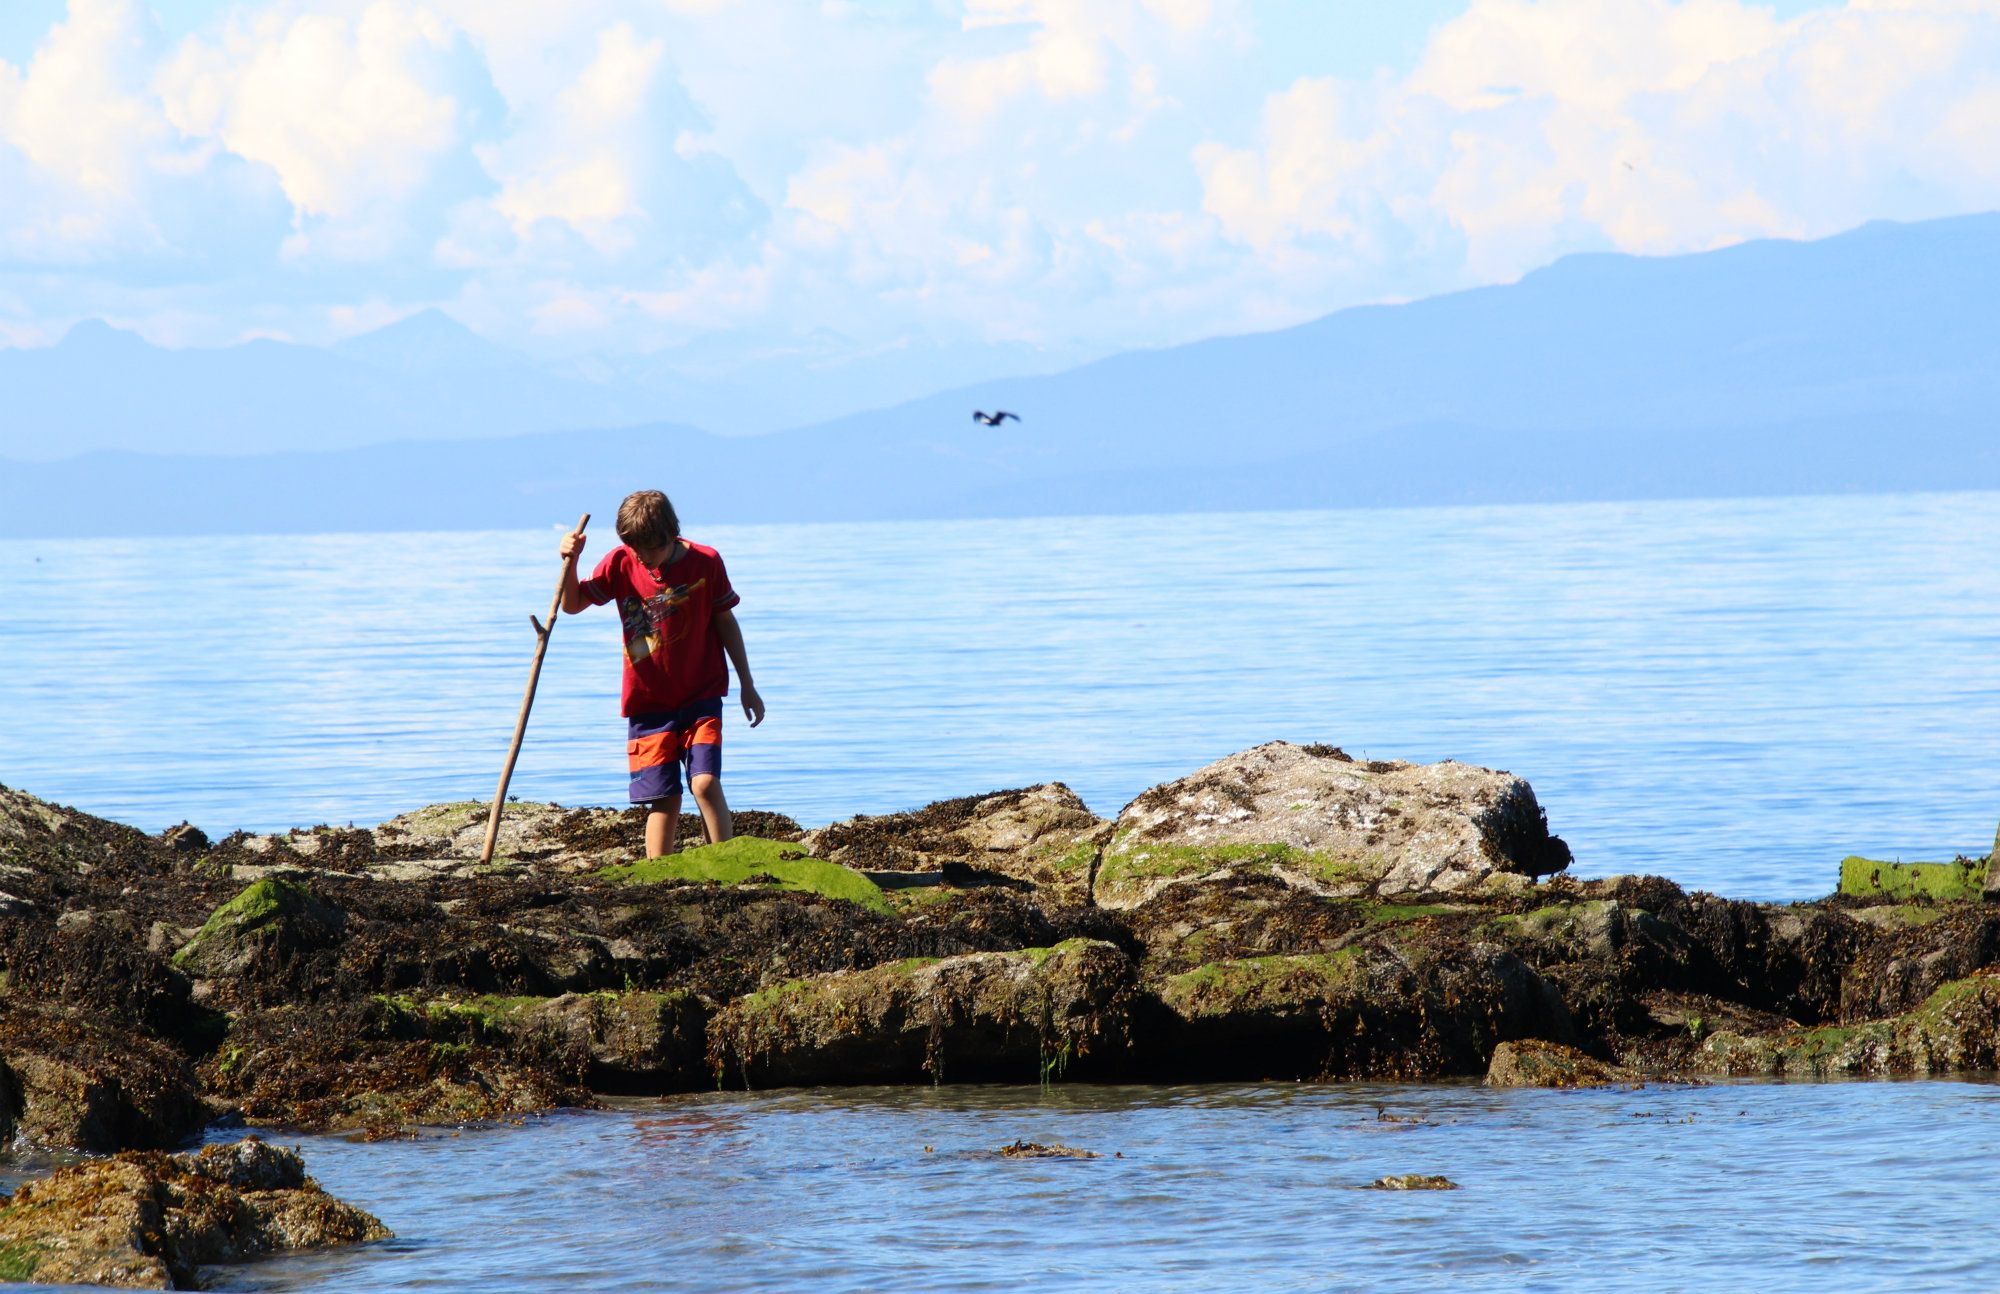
x=1790, y=959
x=1370, y=1010
x=39, y=837
x=1012, y=1016
x=1323, y=822
x=100, y=961
x=449, y=837
x=1412, y=1182
x=1534, y=1063
x=184, y=838
x=373, y=1067
x=1905, y=964
x=152, y=1221
x=1248, y=914
x=616, y=1042
x=83, y=1081
x=1954, y=1030
x=1036, y=1150
x=1040, y=835
x=274, y=920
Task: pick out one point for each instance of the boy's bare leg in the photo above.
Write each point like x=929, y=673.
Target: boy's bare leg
x=663, y=822
x=707, y=788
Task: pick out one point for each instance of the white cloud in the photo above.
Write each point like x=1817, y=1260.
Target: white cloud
x=356, y=113
x=1079, y=175
x=1535, y=127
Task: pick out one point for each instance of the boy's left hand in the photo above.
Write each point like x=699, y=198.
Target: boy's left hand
x=753, y=705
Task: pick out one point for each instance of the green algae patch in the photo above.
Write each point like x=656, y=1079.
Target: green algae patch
x=272, y=901
x=1980, y=987
x=1278, y=982
x=19, y=1261
x=747, y=858
x=1938, y=882
x=1076, y=858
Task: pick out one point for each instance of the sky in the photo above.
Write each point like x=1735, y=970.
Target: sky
x=1057, y=179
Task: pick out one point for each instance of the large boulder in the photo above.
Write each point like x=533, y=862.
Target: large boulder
x=1042, y=836
x=152, y=1221
x=1012, y=1015
x=1328, y=823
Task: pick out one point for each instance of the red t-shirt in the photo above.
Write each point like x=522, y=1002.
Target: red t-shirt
x=672, y=656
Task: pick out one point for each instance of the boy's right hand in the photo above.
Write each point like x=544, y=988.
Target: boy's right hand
x=571, y=546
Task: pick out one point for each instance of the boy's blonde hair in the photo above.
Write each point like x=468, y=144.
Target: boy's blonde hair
x=647, y=519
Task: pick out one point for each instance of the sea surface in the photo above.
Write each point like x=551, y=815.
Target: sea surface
x=1732, y=693
x=1829, y=1187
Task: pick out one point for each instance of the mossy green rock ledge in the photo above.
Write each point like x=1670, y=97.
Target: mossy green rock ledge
x=1942, y=882
x=753, y=859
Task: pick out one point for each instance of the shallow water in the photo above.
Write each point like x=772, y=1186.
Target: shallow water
x=1735, y=693
x=1838, y=1186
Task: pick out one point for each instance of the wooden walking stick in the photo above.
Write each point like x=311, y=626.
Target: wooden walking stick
x=542, y=632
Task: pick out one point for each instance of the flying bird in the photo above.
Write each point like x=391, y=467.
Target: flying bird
x=995, y=418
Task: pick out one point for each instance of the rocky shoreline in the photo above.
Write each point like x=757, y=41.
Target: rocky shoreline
x=1285, y=913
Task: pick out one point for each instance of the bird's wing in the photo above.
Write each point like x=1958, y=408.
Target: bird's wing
x=1003, y=414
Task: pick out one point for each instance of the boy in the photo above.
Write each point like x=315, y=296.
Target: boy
x=679, y=622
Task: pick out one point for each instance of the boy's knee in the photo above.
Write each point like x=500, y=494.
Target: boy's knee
x=703, y=784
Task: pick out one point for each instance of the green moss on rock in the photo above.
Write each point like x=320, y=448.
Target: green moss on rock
x=1252, y=983
x=735, y=862
x=19, y=1261
x=1939, y=882
x=226, y=940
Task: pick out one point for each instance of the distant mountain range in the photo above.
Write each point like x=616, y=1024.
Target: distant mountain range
x=1868, y=361
x=426, y=377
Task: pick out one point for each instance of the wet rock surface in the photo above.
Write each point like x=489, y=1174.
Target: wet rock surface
x=154, y=1221
x=1286, y=913
x=1535, y=1063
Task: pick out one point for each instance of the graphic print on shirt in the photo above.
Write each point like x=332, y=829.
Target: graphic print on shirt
x=649, y=623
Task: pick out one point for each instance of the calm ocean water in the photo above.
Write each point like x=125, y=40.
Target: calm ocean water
x=1842, y=1186
x=1733, y=693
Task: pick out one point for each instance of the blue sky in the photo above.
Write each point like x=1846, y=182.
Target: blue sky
x=1004, y=181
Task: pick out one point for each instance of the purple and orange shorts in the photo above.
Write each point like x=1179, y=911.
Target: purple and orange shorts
x=656, y=745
